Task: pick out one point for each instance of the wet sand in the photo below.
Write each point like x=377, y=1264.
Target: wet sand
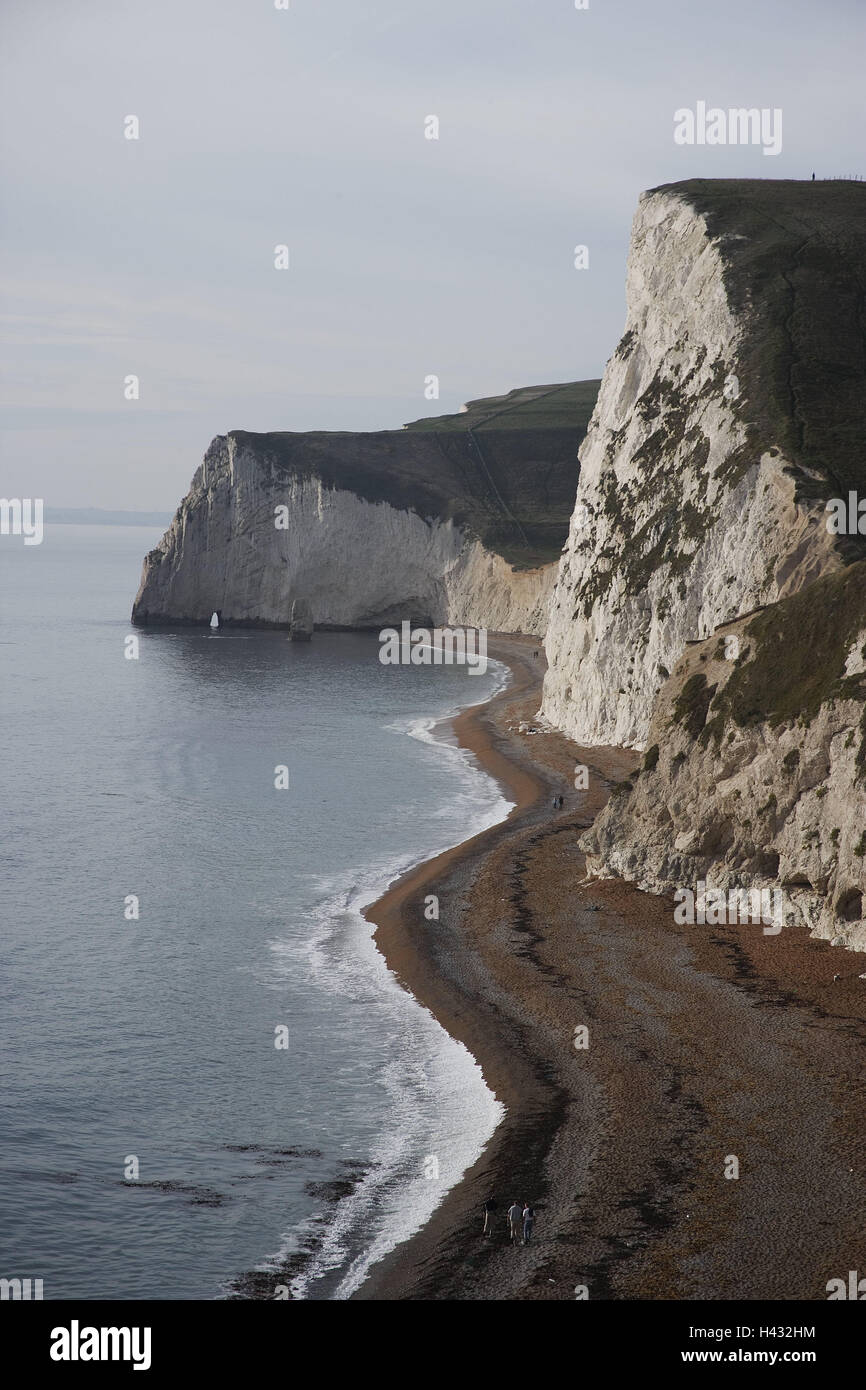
x=706, y=1044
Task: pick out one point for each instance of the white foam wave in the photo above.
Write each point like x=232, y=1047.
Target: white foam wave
x=441, y=1108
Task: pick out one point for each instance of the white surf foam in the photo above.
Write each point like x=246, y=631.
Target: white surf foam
x=442, y=1113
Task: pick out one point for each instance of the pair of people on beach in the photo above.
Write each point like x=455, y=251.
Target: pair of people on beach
x=520, y=1218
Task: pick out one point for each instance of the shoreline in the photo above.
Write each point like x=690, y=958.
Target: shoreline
x=404, y=936
x=259, y=1283
x=617, y=1147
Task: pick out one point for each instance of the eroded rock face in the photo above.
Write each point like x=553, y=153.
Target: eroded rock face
x=755, y=774
x=455, y=520
x=733, y=409
x=359, y=564
x=710, y=453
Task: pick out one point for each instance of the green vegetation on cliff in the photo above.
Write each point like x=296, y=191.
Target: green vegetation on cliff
x=527, y=407
x=795, y=658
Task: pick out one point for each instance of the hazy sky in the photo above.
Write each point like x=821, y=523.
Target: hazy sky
x=408, y=256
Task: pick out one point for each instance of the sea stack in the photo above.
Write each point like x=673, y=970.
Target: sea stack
x=301, y=624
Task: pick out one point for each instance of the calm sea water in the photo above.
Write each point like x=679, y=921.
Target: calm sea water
x=154, y=1039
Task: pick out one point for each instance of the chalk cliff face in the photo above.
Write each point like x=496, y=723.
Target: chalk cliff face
x=720, y=429
x=756, y=771
x=732, y=410
x=457, y=520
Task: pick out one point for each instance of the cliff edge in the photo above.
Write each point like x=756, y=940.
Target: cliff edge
x=732, y=409
x=456, y=519
x=706, y=611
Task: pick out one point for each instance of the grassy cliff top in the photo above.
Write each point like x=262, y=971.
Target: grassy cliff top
x=505, y=469
x=527, y=407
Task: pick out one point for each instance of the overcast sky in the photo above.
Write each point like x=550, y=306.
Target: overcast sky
x=408, y=256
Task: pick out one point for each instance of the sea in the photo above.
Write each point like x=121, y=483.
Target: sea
x=208, y=1070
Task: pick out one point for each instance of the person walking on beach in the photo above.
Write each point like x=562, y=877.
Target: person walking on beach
x=489, y=1209
x=515, y=1217
x=528, y=1222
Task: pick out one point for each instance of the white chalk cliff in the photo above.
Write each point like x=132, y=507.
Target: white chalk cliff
x=756, y=771
x=359, y=564
x=686, y=515
x=733, y=409
x=371, y=529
